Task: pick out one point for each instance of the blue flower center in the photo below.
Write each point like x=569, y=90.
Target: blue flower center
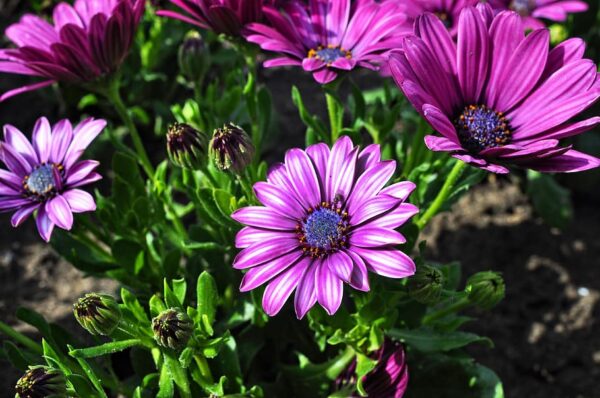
x=40, y=182
x=480, y=127
x=329, y=54
x=522, y=7
x=323, y=230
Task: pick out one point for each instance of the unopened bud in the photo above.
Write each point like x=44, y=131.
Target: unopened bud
x=231, y=148
x=186, y=146
x=172, y=328
x=41, y=382
x=426, y=285
x=99, y=314
x=194, y=58
x=486, y=289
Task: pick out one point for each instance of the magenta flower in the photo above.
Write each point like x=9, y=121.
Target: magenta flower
x=220, y=16
x=498, y=97
x=532, y=10
x=388, y=379
x=46, y=176
x=447, y=10
x=85, y=42
x=327, y=219
x=326, y=37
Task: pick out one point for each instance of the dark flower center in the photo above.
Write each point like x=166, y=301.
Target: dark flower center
x=41, y=183
x=522, y=7
x=323, y=230
x=480, y=127
x=329, y=54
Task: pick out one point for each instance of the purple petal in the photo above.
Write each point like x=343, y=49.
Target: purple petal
x=42, y=139
x=570, y=162
x=440, y=122
x=340, y=264
x=249, y=236
x=339, y=153
x=62, y=135
x=372, y=208
x=20, y=143
x=359, y=279
x=473, y=54
x=303, y=177
x=59, y=212
x=278, y=291
x=265, y=251
x=388, y=263
x=441, y=144
x=400, y=190
x=79, y=201
x=14, y=161
x=80, y=171
x=279, y=200
x=258, y=276
x=83, y=135
x=22, y=214
x=370, y=183
x=372, y=237
x=395, y=218
x=330, y=289
x=319, y=154
x=306, y=294
x=263, y=217
x=44, y=225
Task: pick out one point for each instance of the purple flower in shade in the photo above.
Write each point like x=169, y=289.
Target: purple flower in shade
x=86, y=41
x=498, y=97
x=220, y=16
x=46, y=176
x=326, y=37
x=447, y=10
x=532, y=10
x=388, y=379
x=327, y=219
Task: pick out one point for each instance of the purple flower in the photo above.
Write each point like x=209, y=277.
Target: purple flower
x=388, y=379
x=326, y=37
x=447, y=10
x=532, y=10
x=220, y=16
x=498, y=97
x=327, y=219
x=46, y=176
x=85, y=42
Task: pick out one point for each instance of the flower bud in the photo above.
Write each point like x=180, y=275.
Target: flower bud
x=485, y=289
x=426, y=285
x=99, y=314
x=41, y=382
x=186, y=146
x=231, y=148
x=194, y=58
x=172, y=328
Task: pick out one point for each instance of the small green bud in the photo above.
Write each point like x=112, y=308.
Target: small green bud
x=99, y=314
x=186, y=146
x=41, y=382
x=426, y=285
x=172, y=328
x=485, y=289
x=194, y=58
x=231, y=148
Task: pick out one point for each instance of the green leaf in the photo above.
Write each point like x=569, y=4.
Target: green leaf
x=90, y=374
x=427, y=340
x=171, y=299
x=207, y=296
x=180, y=288
x=364, y=365
x=126, y=253
x=132, y=303
x=15, y=356
x=309, y=120
x=156, y=306
x=166, y=389
x=550, y=200
x=81, y=386
x=178, y=374
x=104, y=349
x=54, y=358
x=186, y=356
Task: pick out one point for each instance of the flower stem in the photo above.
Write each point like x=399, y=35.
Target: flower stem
x=335, y=110
x=204, y=368
x=114, y=96
x=21, y=338
x=451, y=309
x=443, y=195
x=340, y=363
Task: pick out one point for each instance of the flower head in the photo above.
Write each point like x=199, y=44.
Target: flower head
x=186, y=146
x=194, y=58
x=41, y=382
x=85, y=41
x=326, y=220
x=221, y=16
x=496, y=96
x=172, y=328
x=231, y=148
x=99, y=314
x=327, y=37
x=447, y=11
x=426, y=285
x=388, y=379
x=46, y=176
x=532, y=10
x=486, y=289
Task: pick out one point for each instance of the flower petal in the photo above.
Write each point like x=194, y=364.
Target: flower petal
x=369, y=236
x=388, y=263
x=340, y=264
x=261, y=274
x=263, y=217
x=79, y=201
x=306, y=294
x=22, y=214
x=59, y=212
x=330, y=289
x=42, y=139
x=44, y=225
x=262, y=252
x=278, y=291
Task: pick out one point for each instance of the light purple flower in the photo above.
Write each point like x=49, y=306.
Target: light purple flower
x=532, y=10
x=327, y=220
x=327, y=37
x=388, y=379
x=46, y=176
x=498, y=97
x=86, y=41
x=220, y=16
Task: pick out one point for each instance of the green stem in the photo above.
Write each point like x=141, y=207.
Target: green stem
x=21, y=338
x=335, y=110
x=415, y=147
x=451, y=309
x=443, y=195
x=342, y=362
x=114, y=96
x=204, y=368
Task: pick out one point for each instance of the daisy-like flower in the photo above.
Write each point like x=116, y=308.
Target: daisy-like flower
x=327, y=220
x=221, y=16
x=447, y=10
x=46, y=176
x=532, y=10
x=327, y=37
x=498, y=97
x=86, y=41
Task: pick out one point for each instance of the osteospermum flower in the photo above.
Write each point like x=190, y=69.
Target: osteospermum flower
x=498, y=97
x=326, y=37
x=447, y=10
x=532, y=10
x=86, y=41
x=46, y=176
x=327, y=220
x=220, y=16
